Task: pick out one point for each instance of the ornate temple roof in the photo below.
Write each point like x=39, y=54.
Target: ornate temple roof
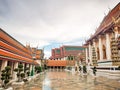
x=13, y=50
x=107, y=22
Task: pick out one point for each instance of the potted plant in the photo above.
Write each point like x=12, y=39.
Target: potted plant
x=5, y=76
x=19, y=72
x=38, y=69
x=20, y=75
x=27, y=71
x=27, y=74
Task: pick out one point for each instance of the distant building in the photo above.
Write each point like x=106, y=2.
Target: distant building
x=56, y=63
x=37, y=54
x=66, y=52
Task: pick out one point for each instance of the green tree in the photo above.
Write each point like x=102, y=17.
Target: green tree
x=5, y=76
x=38, y=69
x=27, y=71
x=19, y=71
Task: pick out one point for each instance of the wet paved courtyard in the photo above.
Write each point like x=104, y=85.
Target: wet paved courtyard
x=71, y=81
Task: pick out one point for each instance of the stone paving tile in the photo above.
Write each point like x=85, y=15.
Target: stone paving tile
x=75, y=82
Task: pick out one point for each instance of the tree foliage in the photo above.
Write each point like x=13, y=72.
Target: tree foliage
x=5, y=76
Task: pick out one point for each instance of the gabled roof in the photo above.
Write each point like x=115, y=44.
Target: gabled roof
x=15, y=56
x=1, y=30
x=107, y=21
x=4, y=35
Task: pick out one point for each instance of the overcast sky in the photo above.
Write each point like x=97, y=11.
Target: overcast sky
x=52, y=23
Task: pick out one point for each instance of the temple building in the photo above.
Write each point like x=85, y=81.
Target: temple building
x=66, y=56
x=37, y=54
x=106, y=41
x=13, y=53
x=66, y=52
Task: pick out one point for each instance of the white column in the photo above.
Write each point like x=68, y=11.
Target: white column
x=14, y=73
x=4, y=64
x=90, y=53
x=12, y=69
x=94, y=44
x=108, y=49
x=30, y=67
x=100, y=48
x=116, y=31
x=27, y=65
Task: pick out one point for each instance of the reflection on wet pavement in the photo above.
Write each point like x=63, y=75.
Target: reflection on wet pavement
x=69, y=81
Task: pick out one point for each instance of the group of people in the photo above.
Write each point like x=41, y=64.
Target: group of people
x=84, y=69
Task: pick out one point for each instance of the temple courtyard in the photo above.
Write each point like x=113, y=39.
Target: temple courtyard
x=60, y=45
x=66, y=80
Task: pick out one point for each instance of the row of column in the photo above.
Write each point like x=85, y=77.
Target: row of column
x=13, y=66
x=100, y=47
x=56, y=68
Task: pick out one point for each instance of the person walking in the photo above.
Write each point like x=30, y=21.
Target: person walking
x=94, y=71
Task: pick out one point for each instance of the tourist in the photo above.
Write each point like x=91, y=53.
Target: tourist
x=94, y=71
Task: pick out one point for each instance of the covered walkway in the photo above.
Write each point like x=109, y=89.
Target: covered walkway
x=56, y=65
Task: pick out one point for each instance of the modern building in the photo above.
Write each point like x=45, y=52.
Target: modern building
x=106, y=41
x=12, y=53
x=66, y=52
